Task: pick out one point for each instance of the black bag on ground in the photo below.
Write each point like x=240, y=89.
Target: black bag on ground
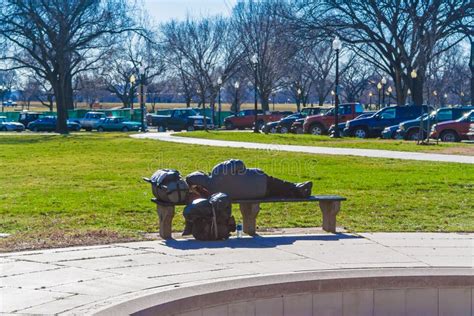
x=210, y=219
x=168, y=186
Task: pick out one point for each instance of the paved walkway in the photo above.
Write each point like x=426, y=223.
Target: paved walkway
x=84, y=279
x=168, y=137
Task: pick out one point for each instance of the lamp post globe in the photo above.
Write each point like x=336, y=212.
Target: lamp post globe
x=336, y=43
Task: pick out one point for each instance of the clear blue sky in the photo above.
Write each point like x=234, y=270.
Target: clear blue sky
x=165, y=10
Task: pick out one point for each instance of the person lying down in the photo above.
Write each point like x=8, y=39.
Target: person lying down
x=233, y=178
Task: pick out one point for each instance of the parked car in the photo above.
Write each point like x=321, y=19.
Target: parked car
x=179, y=119
x=7, y=126
x=319, y=124
x=373, y=126
x=26, y=117
x=9, y=103
x=246, y=119
x=297, y=126
x=470, y=134
x=117, y=124
x=282, y=126
x=48, y=124
x=390, y=132
x=90, y=120
x=410, y=130
x=453, y=131
x=343, y=125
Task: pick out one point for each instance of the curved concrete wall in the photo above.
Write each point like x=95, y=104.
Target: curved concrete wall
x=420, y=291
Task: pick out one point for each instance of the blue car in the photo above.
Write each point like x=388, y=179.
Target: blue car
x=374, y=125
x=7, y=126
x=48, y=124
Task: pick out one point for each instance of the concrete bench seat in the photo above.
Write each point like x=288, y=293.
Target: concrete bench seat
x=330, y=205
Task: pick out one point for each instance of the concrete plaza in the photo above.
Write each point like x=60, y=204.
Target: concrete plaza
x=81, y=280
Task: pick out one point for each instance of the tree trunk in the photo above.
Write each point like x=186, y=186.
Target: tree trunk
x=61, y=105
x=264, y=99
x=417, y=92
x=401, y=93
x=320, y=100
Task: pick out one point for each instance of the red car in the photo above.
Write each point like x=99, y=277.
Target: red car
x=471, y=132
x=246, y=119
x=319, y=124
x=453, y=131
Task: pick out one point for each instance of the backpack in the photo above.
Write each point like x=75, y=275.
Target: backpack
x=210, y=219
x=168, y=186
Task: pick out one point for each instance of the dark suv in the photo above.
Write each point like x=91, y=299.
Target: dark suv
x=410, y=130
x=372, y=126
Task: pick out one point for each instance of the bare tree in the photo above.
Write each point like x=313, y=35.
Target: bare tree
x=202, y=52
x=396, y=36
x=355, y=78
x=59, y=39
x=263, y=34
x=126, y=58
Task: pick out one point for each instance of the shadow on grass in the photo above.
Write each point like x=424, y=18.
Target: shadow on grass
x=258, y=241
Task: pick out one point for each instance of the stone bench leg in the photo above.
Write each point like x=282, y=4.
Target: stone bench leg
x=249, y=214
x=330, y=210
x=165, y=214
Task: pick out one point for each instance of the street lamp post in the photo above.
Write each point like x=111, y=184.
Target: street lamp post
x=383, y=82
x=2, y=90
x=254, y=61
x=336, y=45
x=219, y=85
x=332, y=97
x=142, y=98
x=132, y=83
x=379, y=88
x=409, y=96
x=236, y=86
x=370, y=99
x=389, y=94
x=299, y=99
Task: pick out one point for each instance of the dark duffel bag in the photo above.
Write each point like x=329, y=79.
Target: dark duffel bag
x=168, y=186
x=210, y=219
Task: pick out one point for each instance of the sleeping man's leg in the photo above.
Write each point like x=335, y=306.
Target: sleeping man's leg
x=281, y=188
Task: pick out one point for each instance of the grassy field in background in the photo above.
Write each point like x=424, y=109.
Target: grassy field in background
x=87, y=189
x=326, y=141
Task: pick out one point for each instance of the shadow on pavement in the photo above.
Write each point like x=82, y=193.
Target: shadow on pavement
x=259, y=241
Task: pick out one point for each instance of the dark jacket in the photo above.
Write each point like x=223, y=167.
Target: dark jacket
x=234, y=179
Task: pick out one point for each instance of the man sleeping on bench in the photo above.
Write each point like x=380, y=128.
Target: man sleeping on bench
x=240, y=183
x=237, y=183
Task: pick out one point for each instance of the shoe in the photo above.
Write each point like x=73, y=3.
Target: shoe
x=303, y=190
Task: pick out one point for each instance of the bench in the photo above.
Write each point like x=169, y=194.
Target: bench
x=329, y=204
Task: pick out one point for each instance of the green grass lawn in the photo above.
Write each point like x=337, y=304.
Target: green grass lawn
x=326, y=141
x=85, y=189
